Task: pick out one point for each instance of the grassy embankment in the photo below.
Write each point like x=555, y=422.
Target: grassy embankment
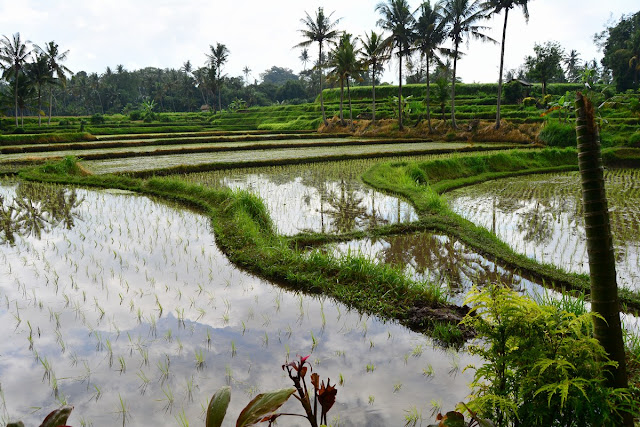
x=422, y=183
x=245, y=234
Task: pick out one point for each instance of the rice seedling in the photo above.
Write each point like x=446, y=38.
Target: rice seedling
x=169, y=399
x=228, y=374
x=200, y=359
x=370, y=367
x=413, y=417
x=371, y=399
x=163, y=366
x=182, y=419
x=233, y=349
x=428, y=371
x=436, y=407
x=144, y=381
x=123, y=364
x=123, y=410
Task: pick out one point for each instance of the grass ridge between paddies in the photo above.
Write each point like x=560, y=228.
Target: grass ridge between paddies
x=245, y=233
x=422, y=183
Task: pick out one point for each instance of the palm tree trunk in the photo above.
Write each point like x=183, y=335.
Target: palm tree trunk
x=39, y=104
x=428, y=99
x=324, y=117
x=400, y=90
x=373, y=117
x=602, y=269
x=341, y=99
x=16, y=96
x=453, y=89
x=504, y=35
x=50, y=104
x=350, y=109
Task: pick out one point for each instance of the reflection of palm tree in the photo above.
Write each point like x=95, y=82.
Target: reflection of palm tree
x=346, y=209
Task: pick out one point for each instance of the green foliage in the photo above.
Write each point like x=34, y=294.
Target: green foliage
x=97, y=119
x=529, y=102
x=555, y=134
x=541, y=365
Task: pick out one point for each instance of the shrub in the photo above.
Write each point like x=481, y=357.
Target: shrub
x=634, y=139
x=64, y=122
x=512, y=92
x=18, y=131
x=555, y=134
x=135, y=115
x=529, y=102
x=97, y=119
x=541, y=365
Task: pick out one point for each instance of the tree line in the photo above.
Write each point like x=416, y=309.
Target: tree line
x=426, y=42
x=431, y=36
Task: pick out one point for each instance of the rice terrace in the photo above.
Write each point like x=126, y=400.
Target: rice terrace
x=183, y=247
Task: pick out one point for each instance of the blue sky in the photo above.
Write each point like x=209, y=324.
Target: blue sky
x=166, y=33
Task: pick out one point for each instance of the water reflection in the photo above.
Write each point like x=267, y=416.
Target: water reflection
x=36, y=208
x=439, y=259
x=310, y=199
x=541, y=217
x=120, y=309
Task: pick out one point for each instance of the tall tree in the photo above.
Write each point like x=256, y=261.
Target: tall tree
x=304, y=58
x=497, y=6
x=59, y=71
x=217, y=58
x=621, y=48
x=375, y=53
x=246, y=71
x=602, y=265
x=398, y=20
x=545, y=65
x=462, y=17
x=13, y=56
x=38, y=74
x=572, y=65
x=430, y=33
x=345, y=65
x=319, y=29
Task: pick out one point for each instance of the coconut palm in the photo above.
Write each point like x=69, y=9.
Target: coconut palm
x=246, y=71
x=430, y=32
x=374, y=53
x=497, y=6
x=13, y=56
x=38, y=75
x=572, y=63
x=398, y=20
x=304, y=58
x=57, y=70
x=217, y=58
x=602, y=264
x=321, y=30
x=345, y=65
x=462, y=17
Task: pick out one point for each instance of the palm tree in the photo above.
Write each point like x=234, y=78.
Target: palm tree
x=498, y=6
x=572, y=62
x=374, y=53
x=217, y=58
x=13, y=55
x=397, y=19
x=304, y=58
x=54, y=58
x=430, y=33
x=345, y=65
x=38, y=74
x=321, y=30
x=246, y=71
x=462, y=16
x=602, y=265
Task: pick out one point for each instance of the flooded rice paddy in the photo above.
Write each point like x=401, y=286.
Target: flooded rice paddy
x=131, y=314
x=541, y=216
x=438, y=259
x=321, y=197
